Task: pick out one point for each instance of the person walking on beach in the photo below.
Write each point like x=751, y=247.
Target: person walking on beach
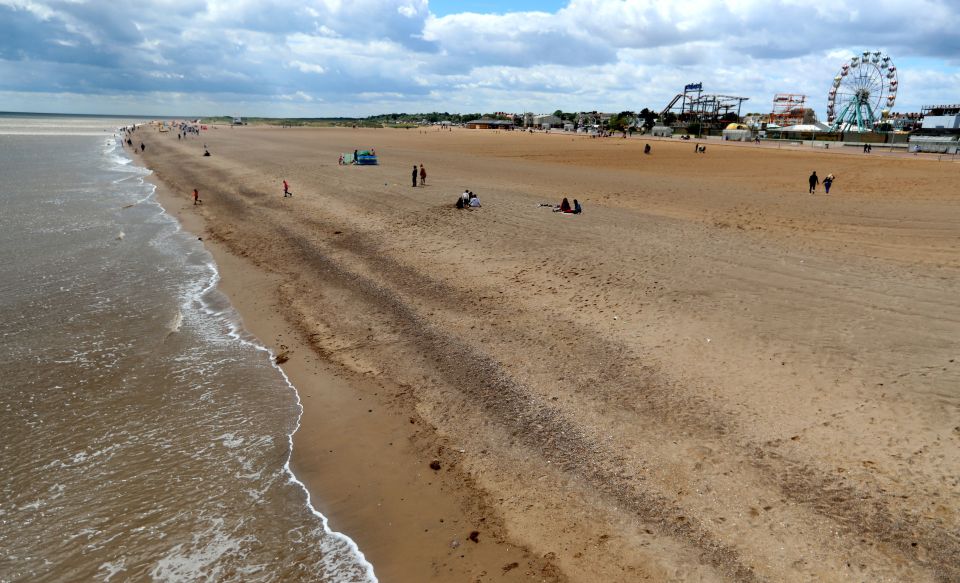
x=423, y=176
x=828, y=182
x=354, y=156
x=196, y=196
x=814, y=181
x=414, y=175
x=286, y=189
x=142, y=147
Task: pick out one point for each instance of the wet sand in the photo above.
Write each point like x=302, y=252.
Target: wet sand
x=709, y=375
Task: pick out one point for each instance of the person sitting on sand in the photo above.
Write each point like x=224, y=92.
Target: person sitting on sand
x=577, y=209
x=474, y=201
x=459, y=204
x=465, y=197
x=564, y=206
x=646, y=149
x=206, y=152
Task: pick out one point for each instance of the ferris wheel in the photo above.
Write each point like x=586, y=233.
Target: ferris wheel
x=863, y=92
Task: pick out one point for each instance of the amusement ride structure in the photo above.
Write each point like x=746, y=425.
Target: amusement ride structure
x=711, y=111
x=788, y=109
x=862, y=93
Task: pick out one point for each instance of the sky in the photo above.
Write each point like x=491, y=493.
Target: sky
x=315, y=58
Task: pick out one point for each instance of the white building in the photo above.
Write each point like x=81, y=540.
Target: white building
x=546, y=121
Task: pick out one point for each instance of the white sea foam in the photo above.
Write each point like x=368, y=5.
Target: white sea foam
x=111, y=568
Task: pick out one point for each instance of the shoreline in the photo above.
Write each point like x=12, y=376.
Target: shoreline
x=648, y=390
x=439, y=519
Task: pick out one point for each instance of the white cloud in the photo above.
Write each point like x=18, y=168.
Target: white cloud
x=308, y=67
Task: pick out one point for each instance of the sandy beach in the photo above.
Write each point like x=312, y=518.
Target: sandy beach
x=709, y=375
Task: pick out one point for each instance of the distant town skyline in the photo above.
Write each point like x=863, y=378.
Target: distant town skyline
x=365, y=57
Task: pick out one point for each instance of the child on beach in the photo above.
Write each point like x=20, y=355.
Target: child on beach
x=827, y=182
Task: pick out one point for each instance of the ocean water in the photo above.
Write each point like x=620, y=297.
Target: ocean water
x=143, y=434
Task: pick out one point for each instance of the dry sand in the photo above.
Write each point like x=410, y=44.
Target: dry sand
x=710, y=375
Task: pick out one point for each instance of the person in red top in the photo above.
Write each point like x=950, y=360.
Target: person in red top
x=196, y=196
x=286, y=189
x=423, y=175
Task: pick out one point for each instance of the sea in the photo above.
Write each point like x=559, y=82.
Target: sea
x=144, y=434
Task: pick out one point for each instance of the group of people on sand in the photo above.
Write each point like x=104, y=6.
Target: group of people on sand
x=814, y=180
x=343, y=161
x=468, y=200
x=564, y=207
x=422, y=173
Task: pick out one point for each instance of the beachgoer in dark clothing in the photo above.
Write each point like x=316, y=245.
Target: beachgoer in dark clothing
x=196, y=196
x=459, y=204
x=414, y=175
x=206, y=152
x=828, y=182
x=814, y=181
x=646, y=149
x=354, y=156
x=565, y=206
x=423, y=176
x=142, y=147
x=577, y=209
